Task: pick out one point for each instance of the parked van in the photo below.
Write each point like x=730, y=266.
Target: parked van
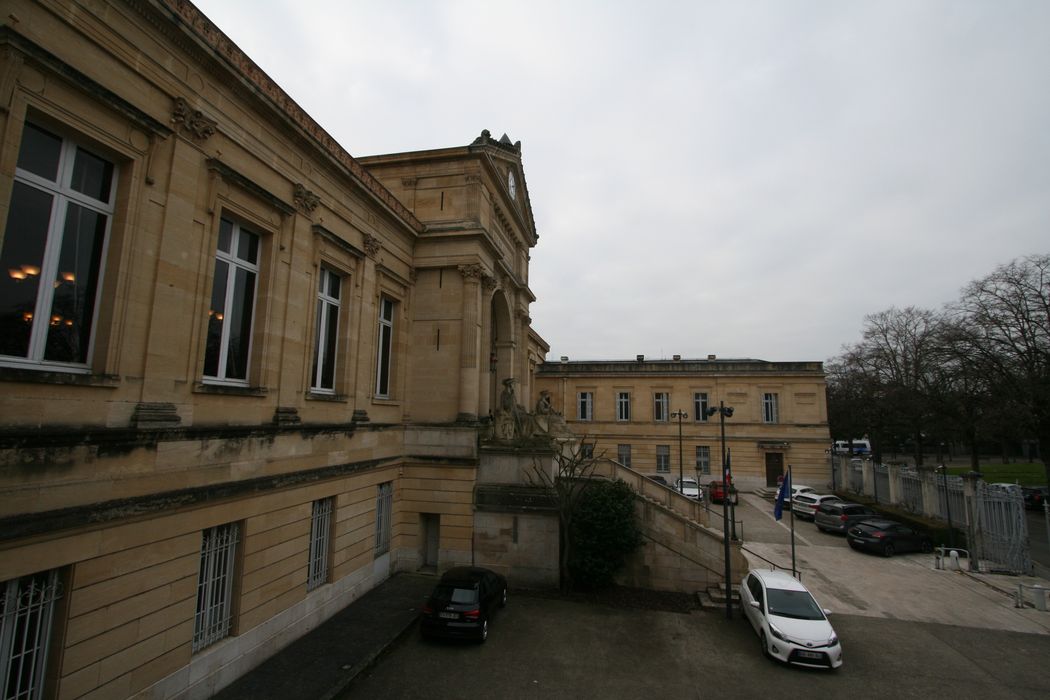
x=861, y=446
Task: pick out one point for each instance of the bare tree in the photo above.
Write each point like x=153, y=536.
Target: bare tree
x=567, y=481
x=1005, y=322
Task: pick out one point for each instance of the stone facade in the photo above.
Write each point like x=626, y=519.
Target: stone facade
x=251, y=350
x=779, y=416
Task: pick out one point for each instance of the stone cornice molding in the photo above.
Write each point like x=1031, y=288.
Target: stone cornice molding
x=230, y=175
x=190, y=19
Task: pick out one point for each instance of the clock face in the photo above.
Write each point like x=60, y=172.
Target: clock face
x=512, y=185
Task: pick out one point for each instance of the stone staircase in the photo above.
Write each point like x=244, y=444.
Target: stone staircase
x=714, y=597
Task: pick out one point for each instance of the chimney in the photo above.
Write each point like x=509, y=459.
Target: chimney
x=639, y=358
x=711, y=357
x=564, y=358
x=677, y=358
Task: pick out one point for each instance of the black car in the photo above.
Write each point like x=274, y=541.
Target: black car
x=1034, y=496
x=887, y=537
x=840, y=516
x=462, y=603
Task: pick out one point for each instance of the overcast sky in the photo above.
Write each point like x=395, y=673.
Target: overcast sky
x=739, y=178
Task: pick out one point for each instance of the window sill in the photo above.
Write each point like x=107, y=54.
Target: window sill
x=229, y=390
x=385, y=402
x=333, y=398
x=51, y=376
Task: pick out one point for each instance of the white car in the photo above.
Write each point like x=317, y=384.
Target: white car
x=790, y=625
x=690, y=489
x=806, y=505
x=797, y=489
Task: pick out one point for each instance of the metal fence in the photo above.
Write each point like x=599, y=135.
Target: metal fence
x=910, y=490
x=882, y=483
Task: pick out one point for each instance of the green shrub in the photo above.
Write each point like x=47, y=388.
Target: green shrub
x=604, y=531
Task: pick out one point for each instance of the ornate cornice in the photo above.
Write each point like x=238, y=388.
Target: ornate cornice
x=192, y=120
x=192, y=20
x=489, y=282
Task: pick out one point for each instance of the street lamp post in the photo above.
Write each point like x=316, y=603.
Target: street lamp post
x=947, y=504
x=724, y=412
x=680, y=414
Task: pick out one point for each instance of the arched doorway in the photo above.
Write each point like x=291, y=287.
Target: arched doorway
x=500, y=347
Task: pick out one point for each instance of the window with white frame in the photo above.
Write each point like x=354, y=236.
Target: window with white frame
x=27, y=609
x=326, y=338
x=585, y=405
x=703, y=459
x=770, y=413
x=384, y=512
x=623, y=405
x=320, y=542
x=623, y=455
x=232, y=309
x=663, y=458
x=385, y=353
x=214, y=617
x=700, y=406
x=57, y=226
x=661, y=406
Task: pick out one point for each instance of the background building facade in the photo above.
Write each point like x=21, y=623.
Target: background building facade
x=243, y=372
x=628, y=409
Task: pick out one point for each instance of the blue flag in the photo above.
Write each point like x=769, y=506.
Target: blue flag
x=785, y=488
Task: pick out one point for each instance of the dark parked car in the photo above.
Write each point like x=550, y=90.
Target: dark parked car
x=887, y=537
x=462, y=603
x=1034, y=496
x=840, y=516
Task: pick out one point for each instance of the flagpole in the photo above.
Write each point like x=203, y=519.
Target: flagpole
x=793, y=572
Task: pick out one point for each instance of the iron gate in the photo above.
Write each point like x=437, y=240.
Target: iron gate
x=1002, y=527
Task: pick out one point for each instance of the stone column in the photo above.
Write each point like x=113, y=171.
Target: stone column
x=470, y=342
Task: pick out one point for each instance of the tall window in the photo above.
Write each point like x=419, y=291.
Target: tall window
x=232, y=304
x=325, y=340
x=320, y=539
x=384, y=363
x=587, y=450
x=623, y=455
x=703, y=459
x=27, y=607
x=215, y=585
x=700, y=405
x=623, y=405
x=51, y=261
x=661, y=405
x=585, y=405
x=663, y=458
x=384, y=511
x=770, y=413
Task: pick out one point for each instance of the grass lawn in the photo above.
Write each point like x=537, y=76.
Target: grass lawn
x=1031, y=474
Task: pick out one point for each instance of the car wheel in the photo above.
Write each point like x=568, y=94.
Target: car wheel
x=927, y=546
x=888, y=550
x=484, y=630
x=503, y=599
x=765, y=644
x=822, y=528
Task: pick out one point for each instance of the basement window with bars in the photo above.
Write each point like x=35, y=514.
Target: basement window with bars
x=27, y=609
x=320, y=539
x=384, y=511
x=214, y=617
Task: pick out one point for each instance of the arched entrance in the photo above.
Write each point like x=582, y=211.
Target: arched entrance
x=500, y=348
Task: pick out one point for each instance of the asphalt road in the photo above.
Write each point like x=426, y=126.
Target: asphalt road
x=542, y=648
x=907, y=629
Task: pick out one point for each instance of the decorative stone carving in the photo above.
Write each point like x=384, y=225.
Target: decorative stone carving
x=472, y=271
x=372, y=245
x=192, y=120
x=488, y=282
x=306, y=200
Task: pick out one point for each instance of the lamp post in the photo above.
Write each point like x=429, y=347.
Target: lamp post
x=680, y=414
x=947, y=504
x=724, y=412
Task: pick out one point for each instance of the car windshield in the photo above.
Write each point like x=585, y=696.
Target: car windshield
x=455, y=594
x=794, y=604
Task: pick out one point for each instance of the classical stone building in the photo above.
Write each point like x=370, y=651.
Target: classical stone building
x=629, y=408
x=244, y=373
